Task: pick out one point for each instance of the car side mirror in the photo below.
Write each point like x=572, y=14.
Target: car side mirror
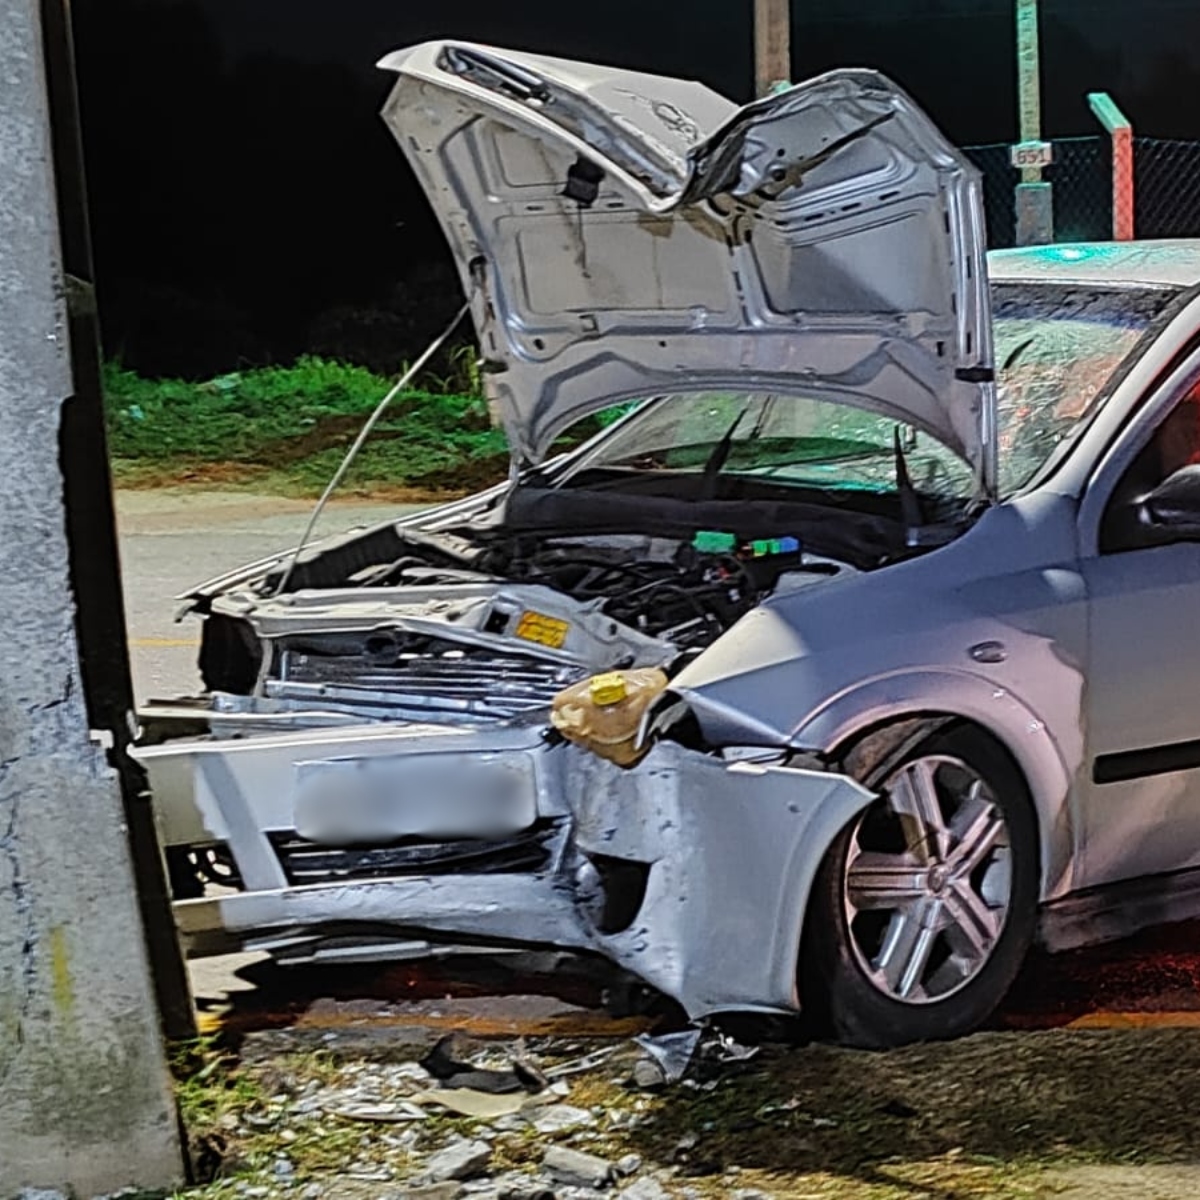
x=1174, y=506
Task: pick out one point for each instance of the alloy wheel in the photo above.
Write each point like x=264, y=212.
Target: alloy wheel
x=928, y=881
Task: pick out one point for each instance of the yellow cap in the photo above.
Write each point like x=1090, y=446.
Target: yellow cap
x=608, y=689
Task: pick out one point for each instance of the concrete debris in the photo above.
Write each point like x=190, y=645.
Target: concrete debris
x=448, y=1190
x=649, y=1075
x=387, y=1113
x=560, y=1117
x=525, y=1189
x=577, y=1167
x=459, y=1160
x=629, y=1164
x=644, y=1189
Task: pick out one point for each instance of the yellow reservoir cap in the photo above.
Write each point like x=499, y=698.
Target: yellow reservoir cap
x=608, y=689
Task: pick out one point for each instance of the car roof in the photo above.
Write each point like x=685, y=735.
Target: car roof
x=1173, y=263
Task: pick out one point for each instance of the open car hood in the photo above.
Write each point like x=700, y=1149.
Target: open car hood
x=623, y=235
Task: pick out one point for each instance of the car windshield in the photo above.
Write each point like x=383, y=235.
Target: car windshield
x=1057, y=349
x=782, y=439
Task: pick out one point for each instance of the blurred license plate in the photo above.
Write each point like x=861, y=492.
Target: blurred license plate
x=360, y=801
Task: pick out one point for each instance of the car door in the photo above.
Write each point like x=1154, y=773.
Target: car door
x=1141, y=814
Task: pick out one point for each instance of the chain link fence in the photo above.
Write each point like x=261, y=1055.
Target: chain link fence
x=1166, y=189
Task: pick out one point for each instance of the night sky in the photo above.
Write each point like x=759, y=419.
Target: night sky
x=248, y=205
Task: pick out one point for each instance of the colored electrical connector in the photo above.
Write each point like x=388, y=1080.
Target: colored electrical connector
x=711, y=542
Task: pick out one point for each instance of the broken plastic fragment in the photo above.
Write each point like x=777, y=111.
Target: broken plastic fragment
x=451, y=1073
x=467, y=1102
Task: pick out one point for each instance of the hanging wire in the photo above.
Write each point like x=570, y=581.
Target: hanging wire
x=365, y=433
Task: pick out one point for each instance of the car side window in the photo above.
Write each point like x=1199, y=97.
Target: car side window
x=1174, y=445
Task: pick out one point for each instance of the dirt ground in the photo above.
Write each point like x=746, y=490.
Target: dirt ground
x=1060, y=1097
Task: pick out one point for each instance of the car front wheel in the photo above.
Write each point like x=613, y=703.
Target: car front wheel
x=924, y=907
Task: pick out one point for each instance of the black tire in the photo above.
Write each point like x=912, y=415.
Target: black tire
x=185, y=881
x=839, y=998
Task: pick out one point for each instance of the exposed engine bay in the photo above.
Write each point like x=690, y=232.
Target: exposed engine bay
x=491, y=617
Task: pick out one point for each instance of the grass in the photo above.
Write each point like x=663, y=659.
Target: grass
x=286, y=429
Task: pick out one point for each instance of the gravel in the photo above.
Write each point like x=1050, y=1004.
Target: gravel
x=460, y=1160
x=577, y=1167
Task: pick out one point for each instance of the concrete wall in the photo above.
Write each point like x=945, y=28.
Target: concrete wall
x=85, y=1099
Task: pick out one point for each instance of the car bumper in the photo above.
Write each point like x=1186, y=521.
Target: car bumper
x=688, y=871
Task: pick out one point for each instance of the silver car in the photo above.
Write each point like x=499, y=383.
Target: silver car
x=912, y=533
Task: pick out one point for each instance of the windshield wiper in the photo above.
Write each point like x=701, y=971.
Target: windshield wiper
x=717, y=459
x=910, y=500
x=1015, y=355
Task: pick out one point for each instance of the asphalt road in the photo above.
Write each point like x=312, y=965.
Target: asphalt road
x=172, y=540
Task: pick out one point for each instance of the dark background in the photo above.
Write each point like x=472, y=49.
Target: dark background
x=248, y=204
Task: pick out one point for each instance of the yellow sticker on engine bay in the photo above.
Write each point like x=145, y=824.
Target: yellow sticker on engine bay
x=546, y=631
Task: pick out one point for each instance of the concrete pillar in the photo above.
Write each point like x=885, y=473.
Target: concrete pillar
x=1035, y=214
x=1034, y=198
x=85, y=1096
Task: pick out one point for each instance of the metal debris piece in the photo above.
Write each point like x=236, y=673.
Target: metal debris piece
x=670, y=1055
x=726, y=1050
x=587, y=1063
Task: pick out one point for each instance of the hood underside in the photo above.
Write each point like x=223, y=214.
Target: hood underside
x=623, y=235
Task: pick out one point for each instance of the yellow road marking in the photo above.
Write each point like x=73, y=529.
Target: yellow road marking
x=166, y=642
x=1138, y=1020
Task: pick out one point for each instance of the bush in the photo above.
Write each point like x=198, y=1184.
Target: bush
x=301, y=419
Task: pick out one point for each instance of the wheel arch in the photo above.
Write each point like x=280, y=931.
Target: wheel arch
x=900, y=711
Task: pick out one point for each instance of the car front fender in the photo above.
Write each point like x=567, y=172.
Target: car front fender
x=1048, y=765
x=732, y=849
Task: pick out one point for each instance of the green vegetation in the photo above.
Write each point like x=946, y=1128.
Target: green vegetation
x=286, y=429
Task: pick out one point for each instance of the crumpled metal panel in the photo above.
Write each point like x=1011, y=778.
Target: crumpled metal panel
x=733, y=847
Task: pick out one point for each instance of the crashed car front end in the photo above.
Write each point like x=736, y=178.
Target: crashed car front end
x=376, y=842
x=373, y=771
